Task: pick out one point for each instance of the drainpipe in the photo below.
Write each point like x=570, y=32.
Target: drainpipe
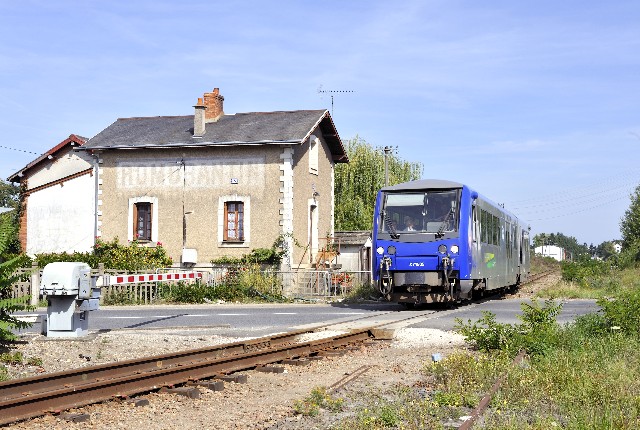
x=96, y=157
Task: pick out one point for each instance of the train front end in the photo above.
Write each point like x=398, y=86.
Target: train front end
x=421, y=242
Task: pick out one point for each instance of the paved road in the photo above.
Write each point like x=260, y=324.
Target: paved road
x=261, y=320
x=506, y=311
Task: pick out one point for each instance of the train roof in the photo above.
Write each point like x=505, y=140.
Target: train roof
x=433, y=184
x=440, y=184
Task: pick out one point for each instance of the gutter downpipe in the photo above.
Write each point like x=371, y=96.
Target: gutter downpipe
x=96, y=157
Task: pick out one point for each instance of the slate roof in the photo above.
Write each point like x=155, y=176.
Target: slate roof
x=254, y=128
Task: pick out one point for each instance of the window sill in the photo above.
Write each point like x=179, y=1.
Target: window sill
x=233, y=244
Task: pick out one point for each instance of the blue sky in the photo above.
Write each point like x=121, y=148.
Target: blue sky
x=535, y=104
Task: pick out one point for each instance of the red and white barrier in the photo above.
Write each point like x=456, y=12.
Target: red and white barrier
x=153, y=277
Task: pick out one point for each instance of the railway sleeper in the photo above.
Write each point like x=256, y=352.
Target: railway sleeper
x=138, y=402
x=75, y=417
x=210, y=385
x=190, y=392
x=240, y=378
x=270, y=369
x=297, y=362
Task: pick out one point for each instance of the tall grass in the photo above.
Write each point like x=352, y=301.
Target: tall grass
x=583, y=375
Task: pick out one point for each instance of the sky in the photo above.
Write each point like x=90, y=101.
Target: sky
x=535, y=104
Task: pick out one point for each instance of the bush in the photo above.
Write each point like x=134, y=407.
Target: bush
x=265, y=256
x=120, y=298
x=249, y=281
x=581, y=271
x=537, y=333
x=367, y=291
x=132, y=257
x=623, y=312
x=182, y=292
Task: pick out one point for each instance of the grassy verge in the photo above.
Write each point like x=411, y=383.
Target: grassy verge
x=584, y=375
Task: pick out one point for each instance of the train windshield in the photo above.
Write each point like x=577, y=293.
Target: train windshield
x=420, y=212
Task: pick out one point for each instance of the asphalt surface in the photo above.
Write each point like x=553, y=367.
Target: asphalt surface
x=237, y=320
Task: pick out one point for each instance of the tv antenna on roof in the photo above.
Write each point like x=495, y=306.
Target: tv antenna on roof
x=321, y=91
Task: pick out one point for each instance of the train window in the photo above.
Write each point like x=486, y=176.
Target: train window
x=474, y=214
x=485, y=227
x=420, y=212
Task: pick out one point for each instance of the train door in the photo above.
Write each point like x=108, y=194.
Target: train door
x=476, y=251
x=524, y=255
x=507, y=252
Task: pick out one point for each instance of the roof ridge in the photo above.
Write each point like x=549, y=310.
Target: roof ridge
x=154, y=116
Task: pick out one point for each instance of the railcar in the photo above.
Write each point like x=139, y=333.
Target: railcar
x=441, y=241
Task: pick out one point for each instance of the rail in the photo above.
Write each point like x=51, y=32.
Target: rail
x=25, y=398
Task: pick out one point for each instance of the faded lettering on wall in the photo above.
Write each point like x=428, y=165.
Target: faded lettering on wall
x=198, y=173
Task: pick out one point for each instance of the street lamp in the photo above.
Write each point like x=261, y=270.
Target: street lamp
x=387, y=150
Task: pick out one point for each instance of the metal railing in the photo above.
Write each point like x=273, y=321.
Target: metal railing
x=301, y=284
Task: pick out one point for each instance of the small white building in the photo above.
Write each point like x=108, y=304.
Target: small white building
x=552, y=251
x=59, y=200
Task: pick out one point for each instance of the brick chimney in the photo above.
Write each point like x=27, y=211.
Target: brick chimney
x=213, y=104
x=199, y=119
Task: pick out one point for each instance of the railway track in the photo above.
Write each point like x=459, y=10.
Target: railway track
x=26, y=398
x=55, y=392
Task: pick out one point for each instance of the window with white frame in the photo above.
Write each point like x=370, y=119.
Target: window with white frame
x=234, y=220
x=143, y=215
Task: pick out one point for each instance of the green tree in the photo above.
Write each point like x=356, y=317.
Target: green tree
x=630, y=222
x=357, y=183
x=606, y=249
x=568, y=243
x=8, y=277
x=9, y=195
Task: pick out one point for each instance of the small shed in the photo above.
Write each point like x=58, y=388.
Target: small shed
x=355, y=250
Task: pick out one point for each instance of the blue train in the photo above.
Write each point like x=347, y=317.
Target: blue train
x=441, y=241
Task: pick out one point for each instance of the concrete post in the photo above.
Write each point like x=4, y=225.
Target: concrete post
x=35, y=284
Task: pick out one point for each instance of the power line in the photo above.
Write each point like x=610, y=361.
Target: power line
x=19, y=150
x=321, y=91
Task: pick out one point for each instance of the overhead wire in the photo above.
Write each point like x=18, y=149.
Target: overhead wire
x=578, y=199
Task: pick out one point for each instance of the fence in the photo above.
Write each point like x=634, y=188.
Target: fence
x=295, y=284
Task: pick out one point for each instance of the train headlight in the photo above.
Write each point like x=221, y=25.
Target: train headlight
x=391, y=250
x=442, y=249
x=380, y=250
x=454, y=249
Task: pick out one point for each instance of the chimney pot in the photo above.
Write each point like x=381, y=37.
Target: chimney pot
x=213, y=102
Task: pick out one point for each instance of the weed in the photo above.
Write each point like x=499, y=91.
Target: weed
x=365, y=291
x=536, y=334
x=120, y=298
x=12, y=358
x=34, y=361
x=623, y=311
x=319, y=398
x=182, y=292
